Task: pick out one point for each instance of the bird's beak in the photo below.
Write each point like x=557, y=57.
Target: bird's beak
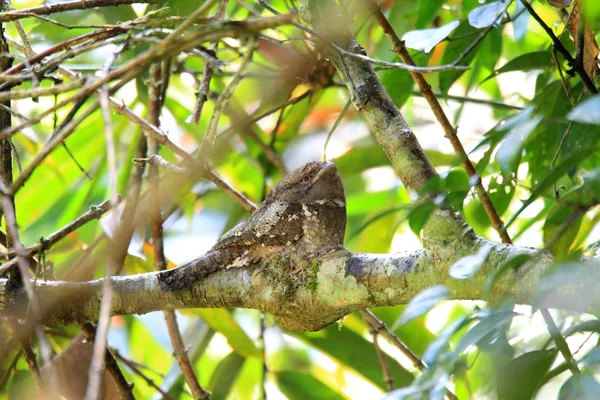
x=324, y=171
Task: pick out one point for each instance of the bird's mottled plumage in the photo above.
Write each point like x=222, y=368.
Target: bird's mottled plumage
x=304, y=212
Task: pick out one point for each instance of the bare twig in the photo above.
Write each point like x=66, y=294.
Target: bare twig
x=387, y=376
x=131, y=365
x=203, y=171
x=211, y=133
x=9, y=368
x=160, y=261
x=45, y=244
x=98, y=356
x=562, y=78
x=579, y=68
x=111, y=365
x=39, y=92
x=467, y=99
x=66, y=6
x=207, y=73
x=379, y=326
x=29, y=355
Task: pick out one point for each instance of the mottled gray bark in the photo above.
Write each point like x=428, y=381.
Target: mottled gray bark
x=337, y=284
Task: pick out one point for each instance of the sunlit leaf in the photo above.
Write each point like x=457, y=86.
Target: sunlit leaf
x=592, y=182
x=484, y=16
x=222, y=321
x=468, y=266
x=587, y=112
x=441, y=344
x=509, y=153
x=427, y=39
x=579, y=387
x=335, y=342
x=298, y=385
x=224, y=376
x=422, y=303
x=494, y=323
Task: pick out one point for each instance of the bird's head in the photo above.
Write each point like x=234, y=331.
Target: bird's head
x=315, y=182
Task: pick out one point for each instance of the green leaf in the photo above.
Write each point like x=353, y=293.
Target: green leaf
x=521, y=377
x=442, y=342
x=362, y=358
x=468, y=266
x=510, y=150
x=422, y=303
x=524, y=63
x=558, y=237
x=486, y=15
x=298, y=385
x=398, y=81
x=222, y=321
x=587, y=112
x=224, y=376
x=419, y=216
x=465, y=34
x=21, y=386
x=427, y=39
x=579, y=387
x=592, y=182
x=427, y=12
x=495, y=323
x=520, y=23
x=592, y=358
x=552, y=177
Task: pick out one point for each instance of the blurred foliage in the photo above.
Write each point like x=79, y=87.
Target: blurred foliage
x=539, y=161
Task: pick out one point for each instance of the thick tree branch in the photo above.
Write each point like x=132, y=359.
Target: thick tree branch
x=341, y=283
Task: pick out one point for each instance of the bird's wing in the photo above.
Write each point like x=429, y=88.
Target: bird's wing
x=275, y=224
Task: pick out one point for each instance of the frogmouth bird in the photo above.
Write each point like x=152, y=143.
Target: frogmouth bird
x=304, y=213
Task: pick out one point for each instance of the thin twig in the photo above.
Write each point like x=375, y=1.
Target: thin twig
x=9, y=368
x=39, y=92
x=385, y=64
x=45, y=244
x=449, y=130
x=110, y=364
x=562, y=78
x=172, y=44
x=579, y=68
x=131, y=365
x=387, y=376
x=380, y=327
x=467, y=99
x=204, y=171
x=95, y=373
x=29, y=355
x=160, y=261
x=211, y=133
x=66, y=6
x=207, y=73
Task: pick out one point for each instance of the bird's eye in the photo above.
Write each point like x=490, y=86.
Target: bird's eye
x=305, y=179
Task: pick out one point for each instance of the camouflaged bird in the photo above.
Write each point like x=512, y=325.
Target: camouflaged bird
x=304, y=212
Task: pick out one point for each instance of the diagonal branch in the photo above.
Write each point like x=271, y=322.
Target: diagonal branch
x=449, y=130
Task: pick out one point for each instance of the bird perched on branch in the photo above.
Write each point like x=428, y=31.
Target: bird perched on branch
x=304, y=212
